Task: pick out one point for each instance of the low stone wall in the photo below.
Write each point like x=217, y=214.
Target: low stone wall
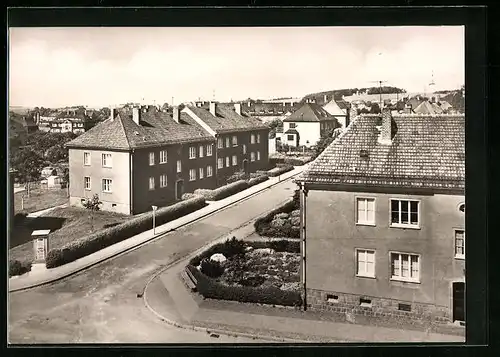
x=378, y=307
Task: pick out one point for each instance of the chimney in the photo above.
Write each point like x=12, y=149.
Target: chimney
x=176, y=113
x=325, y=98
x=237, y=108
x=407, y=109
x=353, y=113
x=388, y=128
x=213, y=107
x=136, y=115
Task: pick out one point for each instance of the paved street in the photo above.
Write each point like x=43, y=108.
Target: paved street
x=100, y=305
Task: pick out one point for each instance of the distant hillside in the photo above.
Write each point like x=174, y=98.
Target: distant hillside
x=338, y=93
x=19, y=109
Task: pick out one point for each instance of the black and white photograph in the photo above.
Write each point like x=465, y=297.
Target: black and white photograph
x=236, y=185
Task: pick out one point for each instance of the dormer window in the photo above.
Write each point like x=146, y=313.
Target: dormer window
x=461, y=207
x=363, y=154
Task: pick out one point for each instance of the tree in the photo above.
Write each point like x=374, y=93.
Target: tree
x=28, y=164
x=92, y=204
x=326, y=140
x=57, y=153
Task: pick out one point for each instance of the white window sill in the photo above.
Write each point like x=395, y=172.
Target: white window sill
x=191, y=180
x=88, y=189
x=460, y=257
x=404, y=226
x=107, y=167
x=372, y=224
x=365, y=276
x=107, y=191
x=161, y=163
x=86, y=164
x=403, y=280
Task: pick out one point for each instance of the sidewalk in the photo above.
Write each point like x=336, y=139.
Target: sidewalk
x=45, y=276
x=170, y=300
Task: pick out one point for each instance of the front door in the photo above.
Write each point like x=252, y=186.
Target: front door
x=245, y=166
x=179, y=189
x=458, y=301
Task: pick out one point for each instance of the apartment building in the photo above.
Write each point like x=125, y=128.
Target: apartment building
x=241, y=141
x=141, y=158
x=383, y=219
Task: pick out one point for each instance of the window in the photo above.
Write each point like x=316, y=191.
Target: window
x=220, y=163
x=252, y=156
x=227, y=142
x=220, y=143
x=459, y=244
x=209, y=150
x=163, y=181
x=461, y=207
x=151, y=158
x=209, y=171
x=235, y=140
x=290, y=137
x=235, y=160
x=258, y=155
x=106, y=185
x=179, y=166
x=365, y=263
x=192, y=174
x=200, y=149
x=405, y=213
x=202, y=173
x=163, y=156
x=151, y=183
x=252, y=139
x=292, y=126
x=228, y=161
x=366, y=210
x=258, y=138
x=86, y=158
x=106, y=160
x=405, y=267
x=87, y=182
x=244, y=149
x=192, y=152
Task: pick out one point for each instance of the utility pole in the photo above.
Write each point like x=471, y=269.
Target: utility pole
x=379, y=91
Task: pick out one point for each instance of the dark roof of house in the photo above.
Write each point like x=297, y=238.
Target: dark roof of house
x=309, y=112
x=226, y=119
x=344, y=105
x=156, y=129
x=291, y=131
x=426, y=152
x=427, y=107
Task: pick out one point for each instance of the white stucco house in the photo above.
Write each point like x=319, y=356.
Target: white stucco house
x=339, y=110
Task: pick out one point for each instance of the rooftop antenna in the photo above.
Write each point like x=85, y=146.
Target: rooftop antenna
x=432, y=79
x=379, y=90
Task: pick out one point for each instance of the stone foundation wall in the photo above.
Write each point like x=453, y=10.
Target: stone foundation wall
x=379, y=307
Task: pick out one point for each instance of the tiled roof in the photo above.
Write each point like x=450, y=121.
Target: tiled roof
x=427, y=107
x=157, y=128
x=309, y=112
x=333, y=108
x=226, y=119
x=426, y=152
x=291, y=131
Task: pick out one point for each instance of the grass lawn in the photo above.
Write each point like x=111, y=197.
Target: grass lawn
x=40, y=199
x=66, y=224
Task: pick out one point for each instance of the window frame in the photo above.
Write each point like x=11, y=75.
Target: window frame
x=252, y=138
x=151, y=158
x=292, y=125
x=356, y=209
x=405, y=225
x=104, y=158
x=220, y=163
x=220, y=143
x=165, y=157
x=290, y=137
x=110, y=183
x=87, y=153
x=85, y=183
x=209, y=150
x=244, y=149
x=151, y=180
x=258, y=156
x=201, y=173
x=228, y=161
x=228, y=142
x=192, y=152
x=209, y=171
x=258, y=138
x=234, y=160
x=163, y=183
x=356, y=258
x=401, y=278
x=458, y=256
x=179, y=166
x=235, y=140
x=200, y=151
x=252, y=156
x=192, y=177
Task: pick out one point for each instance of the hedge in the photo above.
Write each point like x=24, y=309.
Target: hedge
x=17, y=267
x=109, y=236
x=212, y=289
x=229, y=248
x=279, y=170
x=224, y=191
x=256, y=180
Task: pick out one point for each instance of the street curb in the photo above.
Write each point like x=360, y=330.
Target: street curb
x=193, y=326
x=149, y=240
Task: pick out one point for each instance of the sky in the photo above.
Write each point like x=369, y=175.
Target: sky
x=101, y=66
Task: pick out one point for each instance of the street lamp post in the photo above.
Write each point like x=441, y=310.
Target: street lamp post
x=154, y=214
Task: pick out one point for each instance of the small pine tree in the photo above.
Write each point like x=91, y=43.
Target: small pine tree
x=92, y=204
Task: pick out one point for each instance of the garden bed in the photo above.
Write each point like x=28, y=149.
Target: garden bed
x=282, y=222
x=256, y=272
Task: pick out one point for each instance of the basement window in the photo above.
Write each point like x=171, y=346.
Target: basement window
x=332, y=298
x=82, y=200
x=404, y=307
x=363, y=302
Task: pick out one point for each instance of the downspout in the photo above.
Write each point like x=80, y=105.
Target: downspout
x=303, y=196
x=131, y=183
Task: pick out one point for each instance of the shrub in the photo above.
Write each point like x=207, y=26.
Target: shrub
x=229, y=248
x=18, y=268
x=264, y=295
x=210, y=268
x=19, y=218
x=285, y=246
x=279, y=170
x=224, y=191
x=109, y=236
x=256, y=180
x=263, y=222
x=54, y=258
x=297, y=161
x=205, y=193
x=238, y=176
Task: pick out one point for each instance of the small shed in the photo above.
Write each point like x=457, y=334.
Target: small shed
x=40, y=244
x=54, y=181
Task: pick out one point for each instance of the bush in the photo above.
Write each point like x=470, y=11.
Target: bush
x=297, y=161
x=285, y=246
x=264, y=295
x=229, y=248
x=238, y=176
x=18, y=268
x=264, y=221
x=211, y=268
x=256, y=180
x=224, y=191
x=109, y=236
x=279, y=170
